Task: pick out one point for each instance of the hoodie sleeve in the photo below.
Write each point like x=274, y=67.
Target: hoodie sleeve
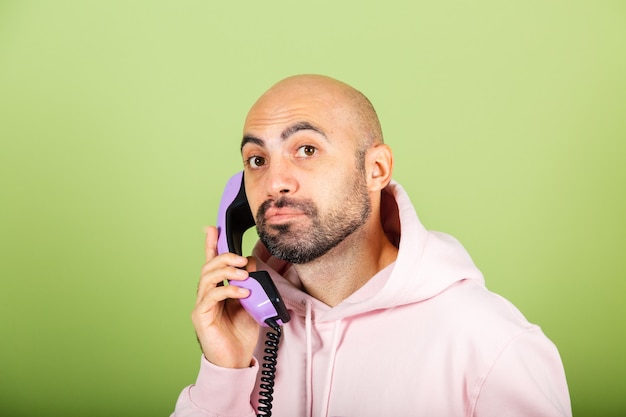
x=218, y=392
x=527, y=379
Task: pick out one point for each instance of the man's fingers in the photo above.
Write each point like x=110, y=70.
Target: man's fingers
x=212, y=298
x=210, y=243
x=225, y=260
x=212, y=277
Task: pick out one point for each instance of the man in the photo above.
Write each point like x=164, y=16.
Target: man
x=388, y=319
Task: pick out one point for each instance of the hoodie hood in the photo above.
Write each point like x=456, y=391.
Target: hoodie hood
x=428, y=262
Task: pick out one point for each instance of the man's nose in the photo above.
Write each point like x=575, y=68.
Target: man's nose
x=280, y=179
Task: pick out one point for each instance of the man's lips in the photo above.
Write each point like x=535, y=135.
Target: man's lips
x=280, y=215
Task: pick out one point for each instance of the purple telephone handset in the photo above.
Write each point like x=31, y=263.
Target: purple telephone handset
x=233, y=219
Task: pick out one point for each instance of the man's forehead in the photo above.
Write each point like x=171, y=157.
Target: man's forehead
x=312, y=112
x=278, y=106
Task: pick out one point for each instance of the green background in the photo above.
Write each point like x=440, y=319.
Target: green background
x=120, y=123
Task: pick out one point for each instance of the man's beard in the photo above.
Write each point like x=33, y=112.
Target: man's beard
x=300, y=245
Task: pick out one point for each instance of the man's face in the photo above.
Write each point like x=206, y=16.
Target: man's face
x=305, y=179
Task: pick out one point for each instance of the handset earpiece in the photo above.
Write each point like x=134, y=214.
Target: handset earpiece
x=235, y=217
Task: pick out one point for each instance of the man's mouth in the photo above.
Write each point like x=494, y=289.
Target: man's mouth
x=283, y=211
x=275, y=215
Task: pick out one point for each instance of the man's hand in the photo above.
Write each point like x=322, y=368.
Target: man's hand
x=225, y=330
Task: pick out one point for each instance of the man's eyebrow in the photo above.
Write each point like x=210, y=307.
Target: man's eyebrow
x=291, y=130
x=251, y=139
x=298, y=127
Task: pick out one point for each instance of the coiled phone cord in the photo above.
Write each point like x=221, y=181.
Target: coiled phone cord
x=268, y=372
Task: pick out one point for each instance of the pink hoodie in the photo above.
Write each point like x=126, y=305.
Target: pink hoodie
x=423, y=337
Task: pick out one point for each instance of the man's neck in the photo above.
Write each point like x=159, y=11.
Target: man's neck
x=344, y=269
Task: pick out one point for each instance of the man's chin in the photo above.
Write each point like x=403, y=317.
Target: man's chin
x=278, y=229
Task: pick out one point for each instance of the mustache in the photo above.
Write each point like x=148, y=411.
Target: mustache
x=305, y=205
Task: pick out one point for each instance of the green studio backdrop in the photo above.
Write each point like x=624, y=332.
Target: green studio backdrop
x=120, y=123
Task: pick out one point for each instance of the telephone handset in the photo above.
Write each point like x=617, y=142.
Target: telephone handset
x=264, y=303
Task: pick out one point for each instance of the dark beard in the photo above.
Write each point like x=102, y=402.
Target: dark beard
x=323, y=234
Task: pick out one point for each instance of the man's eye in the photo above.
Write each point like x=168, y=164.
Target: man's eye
x=256, y=161
x=307, y=150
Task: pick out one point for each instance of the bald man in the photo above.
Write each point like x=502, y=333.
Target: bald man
x=388, y=318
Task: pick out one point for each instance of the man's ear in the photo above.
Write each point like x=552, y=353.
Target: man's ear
x=379, y=166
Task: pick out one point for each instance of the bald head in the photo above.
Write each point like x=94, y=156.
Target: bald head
x=321, y=94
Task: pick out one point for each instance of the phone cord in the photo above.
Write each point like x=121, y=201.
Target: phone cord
x=268, y=372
